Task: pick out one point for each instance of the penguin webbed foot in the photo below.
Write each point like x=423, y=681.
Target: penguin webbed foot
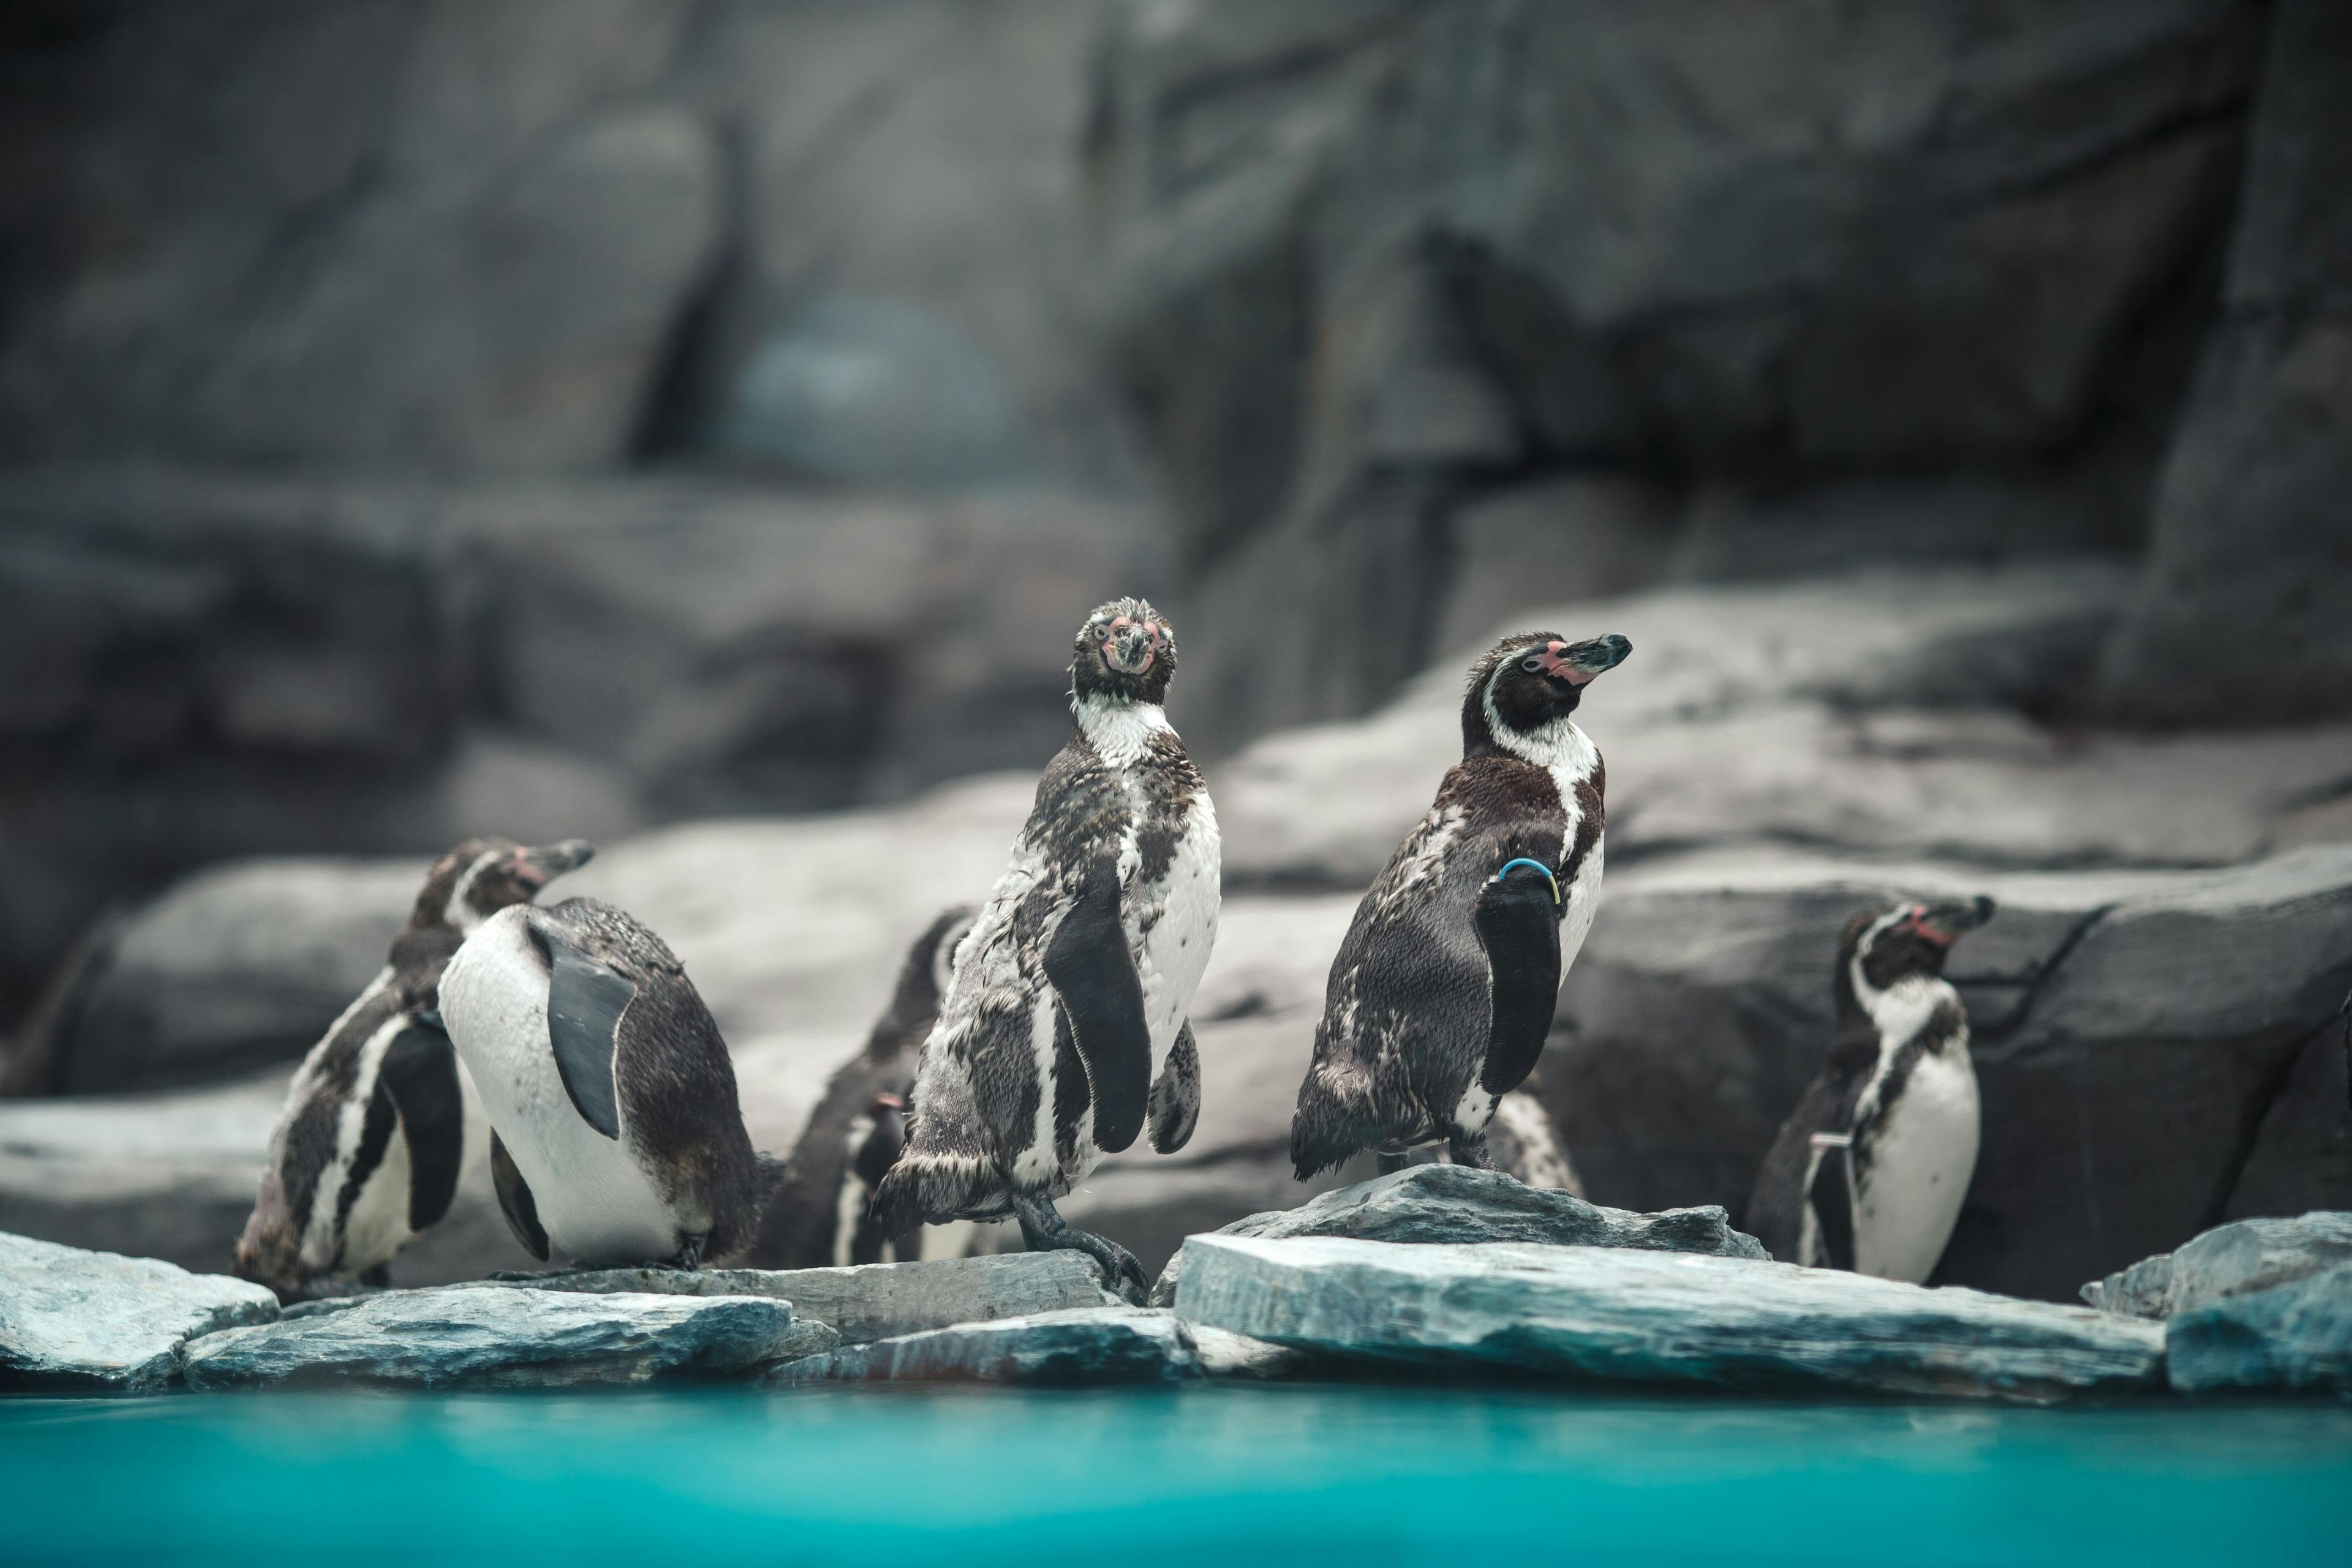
x=1389, y=1165
x=1043, y=1229
x=689, y=1256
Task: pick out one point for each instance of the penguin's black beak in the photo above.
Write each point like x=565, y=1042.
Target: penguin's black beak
x=1947, y=921
x=543, y=864
x=1578, y=663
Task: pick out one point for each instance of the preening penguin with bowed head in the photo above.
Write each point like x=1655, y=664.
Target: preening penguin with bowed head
x=365, y=1157
x=1443, y=992
x=1869, y=1172
x=617, y=1137
x=1074, y=982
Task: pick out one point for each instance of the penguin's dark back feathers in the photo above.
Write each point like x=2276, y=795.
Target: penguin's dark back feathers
x=673, y=1073
x=1775, y=1204
x=1408, y=998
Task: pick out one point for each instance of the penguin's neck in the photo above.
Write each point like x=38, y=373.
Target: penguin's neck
x=1904, y=1008
x=1119, y=730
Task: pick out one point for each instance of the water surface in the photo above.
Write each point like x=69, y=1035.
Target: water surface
x=1235, y=1475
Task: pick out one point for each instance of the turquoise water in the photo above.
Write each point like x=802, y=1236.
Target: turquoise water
x=1239, y=1475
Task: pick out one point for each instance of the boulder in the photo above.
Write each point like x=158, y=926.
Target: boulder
x=1671, y=1318
x=477, y=228
x=2247, y=535
x=228, y=971
x=2294, y=1338
x=76, y=1321
x=2232, y=1261
x=491, y=1336
x=1458, y=1204
x=873, y=1301
x=1882, y=711
x=736, y=647
x=1362, y=251
x=2133, y=1034
x=1085, y=1348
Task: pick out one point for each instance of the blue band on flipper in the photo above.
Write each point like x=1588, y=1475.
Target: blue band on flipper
x=1539, y=866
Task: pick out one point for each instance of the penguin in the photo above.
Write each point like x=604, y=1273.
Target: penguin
x=615, y=1134
x=1442, y=991
x=822, y=1212
x=1869, y=1172
x=365, y=1156
x=1523, y=1141
x=1077, y=979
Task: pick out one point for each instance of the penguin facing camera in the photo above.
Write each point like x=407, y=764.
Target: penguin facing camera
x=616, y=1135
x=365, y=1156
x=1442, y=995
x=1869, y=1172
x=822, y=1213
x=1078, y=976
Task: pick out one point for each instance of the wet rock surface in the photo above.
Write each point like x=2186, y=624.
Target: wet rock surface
x=1433, y=1204
x=77, y=1321
x=2295, y=1338
x=2229, y=1261
x=873, y=1301
x=1089, y=1347
x=494, y=1336
x=1678, y=1320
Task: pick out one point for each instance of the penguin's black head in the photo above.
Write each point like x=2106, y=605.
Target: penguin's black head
x=1528, y=681
x=1124, y=652
x=1880, y=946
x=483, y=875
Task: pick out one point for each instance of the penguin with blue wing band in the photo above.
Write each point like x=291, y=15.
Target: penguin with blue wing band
x=1442, y=995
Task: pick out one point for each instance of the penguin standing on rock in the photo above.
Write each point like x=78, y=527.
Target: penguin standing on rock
x=1443, y=992
x=1869, y=1172
x=823, y=1211
x=1078, y=976
x=616, y=1134
x=366, y=1155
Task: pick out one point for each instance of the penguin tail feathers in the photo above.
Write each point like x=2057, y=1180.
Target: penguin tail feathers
x=931, y=1189
x=1337, y=1117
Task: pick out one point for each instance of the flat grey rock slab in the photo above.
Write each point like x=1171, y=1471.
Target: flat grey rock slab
x=1437, y=1203
x=1637, y=1316
x=2292, y=1338
x=2228, y=1260
x=76, y=1320
x=2295, y=1338
x=874, y=1300
x=494, y=1336
x=1084, y=1348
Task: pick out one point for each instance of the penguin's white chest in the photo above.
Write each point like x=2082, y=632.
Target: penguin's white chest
x=594, y=1199
x=1922, y=1158
x=1170, y=957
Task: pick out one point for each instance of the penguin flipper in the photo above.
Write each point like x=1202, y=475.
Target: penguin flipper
x=516, y=1202
x=420, y=1072
x=585, y=1000
x=1831, y=1201
x=1176, y=1098
x=1519, y=923
x=1093, y=973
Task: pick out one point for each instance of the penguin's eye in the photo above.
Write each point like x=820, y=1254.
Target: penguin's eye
x=1532, y=665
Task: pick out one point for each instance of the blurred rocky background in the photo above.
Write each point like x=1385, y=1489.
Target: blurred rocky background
x=580, y=416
